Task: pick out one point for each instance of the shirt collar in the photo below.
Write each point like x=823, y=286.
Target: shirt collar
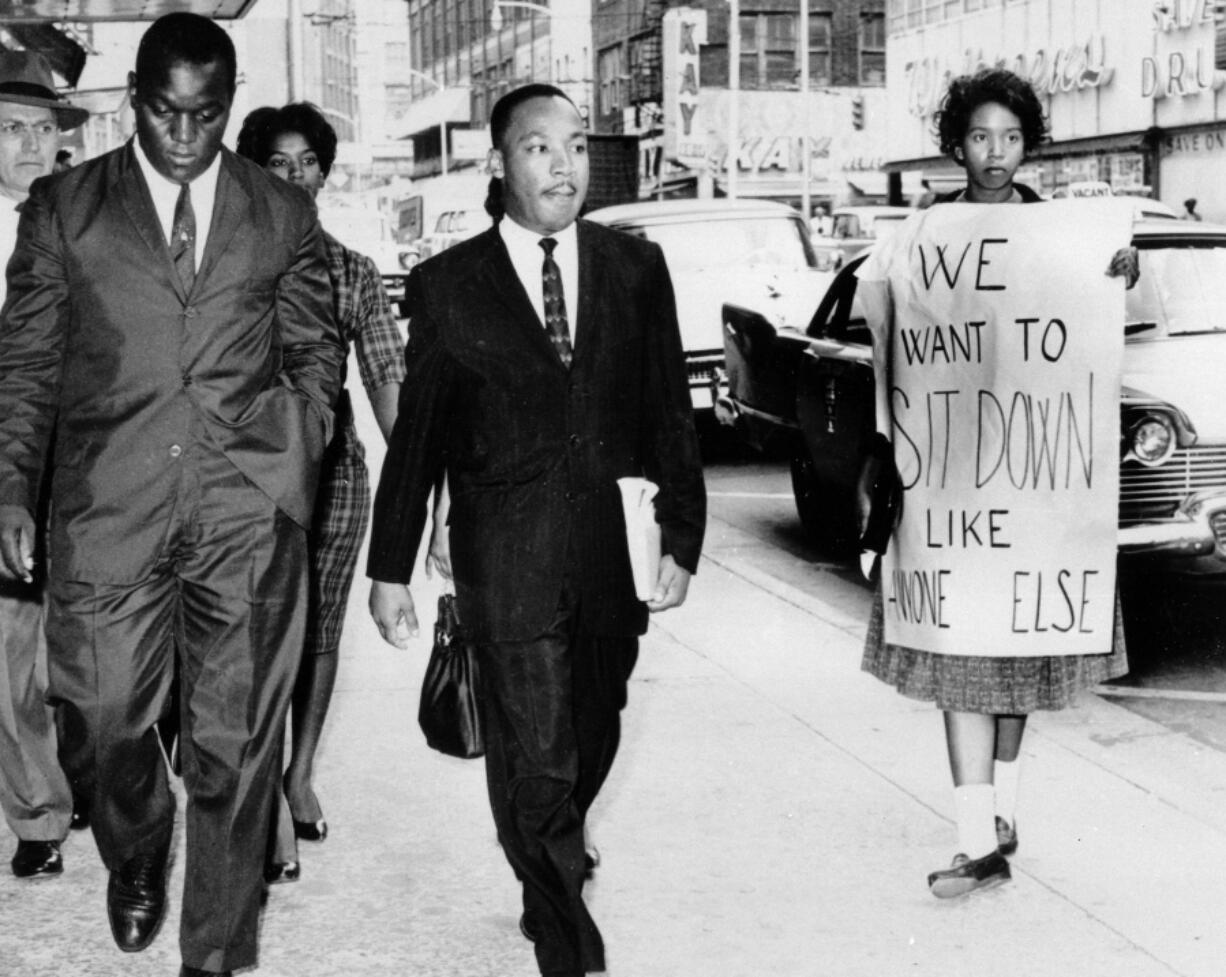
x=516, y=236
x=160, y=186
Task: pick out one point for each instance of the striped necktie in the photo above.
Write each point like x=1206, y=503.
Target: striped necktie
x=183, y=238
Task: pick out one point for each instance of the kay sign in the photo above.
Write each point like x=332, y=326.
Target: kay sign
x=1005, y=354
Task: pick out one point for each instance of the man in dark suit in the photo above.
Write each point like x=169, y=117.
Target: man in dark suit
x=544, y=362
x=169, y=312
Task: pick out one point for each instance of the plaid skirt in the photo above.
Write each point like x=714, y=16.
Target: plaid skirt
x=342, y=509
x=993, y=686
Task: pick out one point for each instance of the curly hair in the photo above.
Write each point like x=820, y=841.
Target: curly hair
x=263, y=126
x=968, y=92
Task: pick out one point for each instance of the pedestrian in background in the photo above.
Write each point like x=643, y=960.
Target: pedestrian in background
x=34, y=793
x=988, y=123
x=544, y=362
x=170, y=316
x=296, y=143
x=1189, y=210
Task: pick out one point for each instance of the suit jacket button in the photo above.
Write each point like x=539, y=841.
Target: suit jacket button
x=189, y=312
x=175, y=451
x=570, y=496
x=574, y=440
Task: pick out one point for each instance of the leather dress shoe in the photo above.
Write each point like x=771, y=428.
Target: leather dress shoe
x=277, y=872
x=37, y=859
x=968, y=874
x=186, y=971
x=310, y=830
x=136, y=900
x=1006, y=837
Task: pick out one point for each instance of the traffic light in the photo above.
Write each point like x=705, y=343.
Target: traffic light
x=857, y=112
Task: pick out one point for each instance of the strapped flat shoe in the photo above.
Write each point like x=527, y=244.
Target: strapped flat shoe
x=968, y=874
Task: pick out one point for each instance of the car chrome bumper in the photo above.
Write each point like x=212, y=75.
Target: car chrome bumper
x=1198, y=530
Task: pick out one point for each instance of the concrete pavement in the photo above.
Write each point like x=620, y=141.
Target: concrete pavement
x=773, y=812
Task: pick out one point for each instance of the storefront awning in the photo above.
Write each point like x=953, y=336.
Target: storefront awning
x=877, y=184
x=36, y=11
x=66, y=56
x=444, y=105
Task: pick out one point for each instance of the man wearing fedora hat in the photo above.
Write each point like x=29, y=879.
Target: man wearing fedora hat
x=34, y=793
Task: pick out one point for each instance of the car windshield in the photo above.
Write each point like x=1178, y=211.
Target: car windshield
x=733, y=243
x=1182, y=290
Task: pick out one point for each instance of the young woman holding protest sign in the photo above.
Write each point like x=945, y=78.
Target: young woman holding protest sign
x=987, y=123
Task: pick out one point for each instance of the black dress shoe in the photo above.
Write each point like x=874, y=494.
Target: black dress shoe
x=310, y=830
x=186, y=971
x=136, y=900
x=968, y=874
x=277, y=872
x=37, y=859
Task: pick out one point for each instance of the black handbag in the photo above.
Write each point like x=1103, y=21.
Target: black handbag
x=450, y=710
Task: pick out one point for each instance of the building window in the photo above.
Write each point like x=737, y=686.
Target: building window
x=819, y=49
x=768, y=50
x=872, y=49
x=610, y=71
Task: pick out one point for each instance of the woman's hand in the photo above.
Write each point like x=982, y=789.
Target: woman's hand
x=1126, y=265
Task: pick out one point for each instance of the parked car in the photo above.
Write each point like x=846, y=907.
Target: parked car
x=757, y=250
x=367, y=232
x=451, y=227
x=852, y=229
x=813, y=388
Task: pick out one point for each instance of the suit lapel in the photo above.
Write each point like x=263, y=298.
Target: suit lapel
x=134, y=199
x=500, y=281
x=230, y=208
x=585, y=326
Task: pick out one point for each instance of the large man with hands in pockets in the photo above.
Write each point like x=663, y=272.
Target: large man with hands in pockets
x=544, y=362
x=170, y=314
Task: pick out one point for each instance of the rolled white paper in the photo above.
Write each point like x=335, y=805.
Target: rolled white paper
x=642, y=533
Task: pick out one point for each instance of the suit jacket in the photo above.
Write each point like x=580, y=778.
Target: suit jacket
x=99, y=339
x=532, y=450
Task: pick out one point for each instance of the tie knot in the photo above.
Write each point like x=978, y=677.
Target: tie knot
x=547, y=245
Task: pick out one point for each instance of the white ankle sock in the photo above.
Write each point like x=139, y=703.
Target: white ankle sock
x=1005, y=777
x=974, y=810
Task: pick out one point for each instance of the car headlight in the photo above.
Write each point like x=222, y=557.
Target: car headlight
x=1151, y=440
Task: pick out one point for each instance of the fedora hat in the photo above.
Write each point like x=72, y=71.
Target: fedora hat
x=25, y=78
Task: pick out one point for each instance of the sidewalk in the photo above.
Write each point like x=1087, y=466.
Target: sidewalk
x=773, y=812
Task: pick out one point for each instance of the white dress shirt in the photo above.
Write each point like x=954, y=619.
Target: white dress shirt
x=9, y=217
x=527, y=257
x=165, y=195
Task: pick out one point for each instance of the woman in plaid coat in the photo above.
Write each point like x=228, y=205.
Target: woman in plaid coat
x=298, y=144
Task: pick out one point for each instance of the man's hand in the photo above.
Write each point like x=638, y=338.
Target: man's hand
x=16, y=543
x=391, y=607
x=438, y=557
x=671, y=586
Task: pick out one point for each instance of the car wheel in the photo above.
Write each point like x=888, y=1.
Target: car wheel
x=828, y=515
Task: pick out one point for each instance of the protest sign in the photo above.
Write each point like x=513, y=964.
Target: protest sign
x=1005, y=353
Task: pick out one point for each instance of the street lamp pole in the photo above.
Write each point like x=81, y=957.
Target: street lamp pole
x=734, y=95
x=806, y=164
x=442, y=126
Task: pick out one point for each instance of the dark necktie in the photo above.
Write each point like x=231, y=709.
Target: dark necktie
x=555, y=303
x=183, y=238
